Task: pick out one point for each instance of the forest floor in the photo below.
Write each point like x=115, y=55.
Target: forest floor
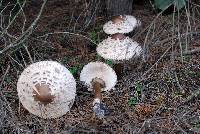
x=159, y=92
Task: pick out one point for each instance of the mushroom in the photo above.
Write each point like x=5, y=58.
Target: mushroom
x=99, y=77
x=46, y=89
x=118, y=48
x=121, y=24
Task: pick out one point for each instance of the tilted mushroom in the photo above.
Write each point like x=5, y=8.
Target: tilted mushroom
x=121, y=24
x=118, y=48
x=99, y=77
x=46, y=89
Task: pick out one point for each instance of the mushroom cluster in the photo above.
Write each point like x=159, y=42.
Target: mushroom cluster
x=46, y=89
x=118, y=47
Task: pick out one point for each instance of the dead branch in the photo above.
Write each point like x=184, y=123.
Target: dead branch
x=193, y=51
x=21, y=39
x=70, y=33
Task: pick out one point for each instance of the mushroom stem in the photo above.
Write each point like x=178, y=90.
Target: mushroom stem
x=97, y=90
x=98, y=108
x=119, y=36
x=97, y=85
x=119, y=70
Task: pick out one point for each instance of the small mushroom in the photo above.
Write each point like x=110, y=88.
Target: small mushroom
x=99, y=77
x=121, y=24
x=46, y=89
x=118, y=48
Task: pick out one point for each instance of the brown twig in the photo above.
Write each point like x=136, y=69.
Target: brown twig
x=70, y=33
x=197, y=33
x=19, y=41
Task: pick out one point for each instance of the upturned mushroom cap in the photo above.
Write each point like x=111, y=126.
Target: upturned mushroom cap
x=118, y=49
x=120, y=24
x=46, y=89
x=98, y=71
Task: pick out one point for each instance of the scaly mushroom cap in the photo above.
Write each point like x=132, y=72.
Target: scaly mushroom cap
x=98, y=70
x=118, y=48
x=133, y=21
x=46, y=89
x=120, y=24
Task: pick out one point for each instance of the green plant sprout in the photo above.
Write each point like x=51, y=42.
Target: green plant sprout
x=94, y=36
x=109, y=62
x=8, y=79
x=187, y=58
x=65, y=59
x=132, y=102
x=74, y=70
x=98, y=57
x=196, y=125
x=138, y=88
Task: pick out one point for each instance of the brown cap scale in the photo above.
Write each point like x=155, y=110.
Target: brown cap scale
x=117, y=19
x=42, y=93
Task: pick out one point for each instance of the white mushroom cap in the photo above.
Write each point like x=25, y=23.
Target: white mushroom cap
x=98, y=70
x=50, y=76
x=124, y=24
x=118, y=49
x=133, y=21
